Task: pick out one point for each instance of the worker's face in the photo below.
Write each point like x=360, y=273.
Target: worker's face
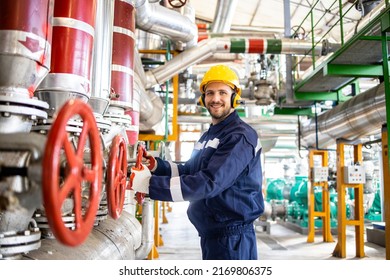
x=218, y=101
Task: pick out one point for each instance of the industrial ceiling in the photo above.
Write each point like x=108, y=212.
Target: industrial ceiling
x=272, y=16
x=300, y=21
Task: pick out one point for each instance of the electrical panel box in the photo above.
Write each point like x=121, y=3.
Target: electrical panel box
x=354, y=174
x=320, y=174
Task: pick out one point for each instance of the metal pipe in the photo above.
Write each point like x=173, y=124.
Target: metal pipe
x=110, y=240
x=25, y=45
x=102, y=55
x=251, y=29
x=207, y=48
x=147, y=238
x=151, y=113
x=235, y=34
x=156, y=19
x=151, y=107
x=17, y=142
x=289, y=79
x=138, y=69
x=223, y=16
x=122, y=68
x=71, y=60
x=360, y=116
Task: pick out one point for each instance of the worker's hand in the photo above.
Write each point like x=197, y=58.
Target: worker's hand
x=151, y=162
x=139, y=179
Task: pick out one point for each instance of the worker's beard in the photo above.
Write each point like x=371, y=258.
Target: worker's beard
x=218, y=111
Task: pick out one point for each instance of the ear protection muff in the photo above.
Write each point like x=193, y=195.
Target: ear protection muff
x=235, y=100
x=201, y=101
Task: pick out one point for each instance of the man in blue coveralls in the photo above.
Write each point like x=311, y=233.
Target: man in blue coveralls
x=222, y=179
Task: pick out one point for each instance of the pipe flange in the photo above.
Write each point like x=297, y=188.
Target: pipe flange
x=123, y=120
x=43, y=224
x=13, y=245
x=123, y=105
x=73, y=126
x=101, y=215
x=103, y=125
x=18, y=114
x=33, y=108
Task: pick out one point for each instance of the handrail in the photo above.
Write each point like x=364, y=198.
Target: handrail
x=314, y=23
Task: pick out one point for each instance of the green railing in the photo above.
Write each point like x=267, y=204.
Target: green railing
x=314, y=23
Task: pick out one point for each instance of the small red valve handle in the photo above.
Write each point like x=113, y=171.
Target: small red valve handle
x=57, y=189
x=152, y=161
x=116, y=177
x=141, y=151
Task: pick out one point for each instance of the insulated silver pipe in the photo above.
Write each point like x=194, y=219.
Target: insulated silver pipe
x=181, y=62
x=102, y=54
x=223, y=16
x=156, y=19
x=151, y=106
x=206, y=48
x=360, y=116
x=147, y=237
x=110, y=240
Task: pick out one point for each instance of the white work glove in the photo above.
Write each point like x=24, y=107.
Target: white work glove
x=151, y=162
x=140, y=178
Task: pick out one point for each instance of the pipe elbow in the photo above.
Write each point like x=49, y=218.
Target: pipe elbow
x=147, y=230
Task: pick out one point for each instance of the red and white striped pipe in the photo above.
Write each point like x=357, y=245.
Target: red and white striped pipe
x=122, y=68
x=25, y=44
x=73, y=41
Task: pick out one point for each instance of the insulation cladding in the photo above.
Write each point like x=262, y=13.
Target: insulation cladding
x=25, y=39
x=73, y=41
x=122, y=73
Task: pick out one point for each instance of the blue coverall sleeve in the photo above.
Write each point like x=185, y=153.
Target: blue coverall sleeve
x=169, y=168
x=220, y=171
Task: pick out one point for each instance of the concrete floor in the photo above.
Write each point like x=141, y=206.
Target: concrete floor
x=181, y=242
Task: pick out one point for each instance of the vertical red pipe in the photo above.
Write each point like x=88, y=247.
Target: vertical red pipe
x=26, y=32
x=122, y=73
x=132, y=134
x=26, y=15
x=73, y=34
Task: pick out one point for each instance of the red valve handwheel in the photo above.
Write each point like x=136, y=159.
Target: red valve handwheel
x=140, y=197
x=175, y=4
x=56, y=190
x=116, y=177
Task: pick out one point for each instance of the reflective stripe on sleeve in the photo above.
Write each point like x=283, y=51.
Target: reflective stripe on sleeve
x=174, y=169
x=175, y=188
x=258, y=147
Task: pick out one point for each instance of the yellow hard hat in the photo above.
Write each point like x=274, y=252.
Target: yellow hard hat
x=222, y=74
